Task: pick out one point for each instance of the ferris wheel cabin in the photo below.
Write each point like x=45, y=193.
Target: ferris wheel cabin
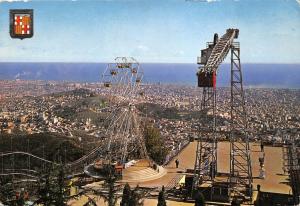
x=107, y=84
x=138, y=80
x=123, y=65
x=113, y=72
x=134, y=70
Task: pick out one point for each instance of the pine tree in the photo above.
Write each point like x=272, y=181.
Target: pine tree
x=110, y=183
x=6, y=189
x=136, y=197
x=126, y=195
x=52, y=188
x=199, y=199
x=60, y=189
x=161, y=197
x=112, y=199
x=20, y=201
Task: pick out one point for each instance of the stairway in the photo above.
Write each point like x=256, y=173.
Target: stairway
x=174, y=182
x=143, y=175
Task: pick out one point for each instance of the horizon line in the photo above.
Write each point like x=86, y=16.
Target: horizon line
x=93, y=62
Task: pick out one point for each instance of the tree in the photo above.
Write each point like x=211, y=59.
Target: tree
x=155, y=144
x=60, y=189
x=53, y=188
x=20, y=201
x=44, y=190
x=126, y=195
x=236, y=202
x=110, y=179
x=161, y=197
x=6, y=189
x=136, y=197
x=109, y=185
x=112, y=199
x=132, y=197
x=199, y=199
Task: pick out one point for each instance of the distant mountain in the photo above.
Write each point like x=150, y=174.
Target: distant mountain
x=255, y=75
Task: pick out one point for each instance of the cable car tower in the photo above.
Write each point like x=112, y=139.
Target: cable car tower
x=205, y=168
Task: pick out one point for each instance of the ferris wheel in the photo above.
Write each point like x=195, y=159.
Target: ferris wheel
x=123, y=77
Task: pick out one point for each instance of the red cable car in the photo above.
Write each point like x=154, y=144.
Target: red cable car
x=206, y=79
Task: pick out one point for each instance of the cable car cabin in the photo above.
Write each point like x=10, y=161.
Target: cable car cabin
x=113, y=72
x=107, y=84
x=206, y=79
x=138, y=80
x=134, y=70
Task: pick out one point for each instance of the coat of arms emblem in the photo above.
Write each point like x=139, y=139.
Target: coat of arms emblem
x=21, y=23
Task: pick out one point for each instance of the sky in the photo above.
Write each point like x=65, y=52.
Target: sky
x=169, y=31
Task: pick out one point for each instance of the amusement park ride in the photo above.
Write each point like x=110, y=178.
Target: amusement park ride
x=121, y=79
x=205, y=169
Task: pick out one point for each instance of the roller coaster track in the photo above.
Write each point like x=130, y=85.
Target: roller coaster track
x=28, y=154
x=20, y=174
x=92, y=155
x=98, y=151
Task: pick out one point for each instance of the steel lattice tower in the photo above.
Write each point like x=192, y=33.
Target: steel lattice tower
x=206, y=157
x=240, y=163
x=205, y=168
x=291, y=165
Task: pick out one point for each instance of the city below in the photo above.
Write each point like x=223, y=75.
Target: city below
x=30, y=107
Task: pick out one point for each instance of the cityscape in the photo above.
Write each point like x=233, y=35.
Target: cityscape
x=33, y=107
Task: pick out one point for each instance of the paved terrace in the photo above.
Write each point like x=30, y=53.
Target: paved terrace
x=275, y=181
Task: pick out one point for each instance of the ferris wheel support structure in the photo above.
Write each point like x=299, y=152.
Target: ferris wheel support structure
x=122, y=79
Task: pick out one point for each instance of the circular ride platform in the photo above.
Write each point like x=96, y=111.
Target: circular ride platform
x=133, y=171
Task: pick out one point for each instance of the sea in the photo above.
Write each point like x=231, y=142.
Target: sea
x=254, y=75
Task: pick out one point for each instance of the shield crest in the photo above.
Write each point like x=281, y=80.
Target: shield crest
x=21, y=23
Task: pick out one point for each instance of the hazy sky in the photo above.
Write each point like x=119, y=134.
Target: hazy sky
x=152, y=30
